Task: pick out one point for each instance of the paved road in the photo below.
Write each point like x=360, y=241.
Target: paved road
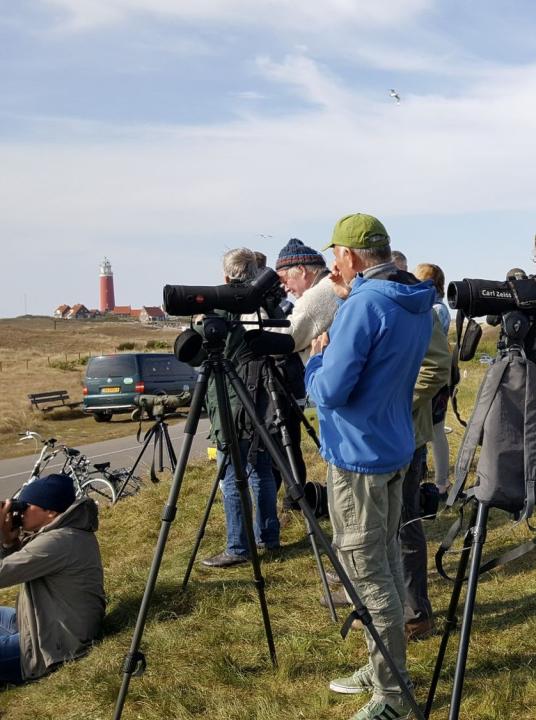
x=120, y=451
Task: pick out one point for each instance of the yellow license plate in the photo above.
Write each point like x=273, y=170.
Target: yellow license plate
x=110, y=389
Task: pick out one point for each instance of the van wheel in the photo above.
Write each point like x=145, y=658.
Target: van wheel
x=103, y=416
x=135, y=415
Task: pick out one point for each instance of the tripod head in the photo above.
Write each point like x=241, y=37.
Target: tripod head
x=208, y=339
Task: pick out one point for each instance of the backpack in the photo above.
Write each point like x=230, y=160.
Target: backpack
x=503, y=423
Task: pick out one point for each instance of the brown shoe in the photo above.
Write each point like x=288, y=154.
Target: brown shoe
x=339, y=599
x=419, y=630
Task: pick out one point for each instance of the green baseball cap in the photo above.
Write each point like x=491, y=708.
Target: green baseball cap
x=359, y=231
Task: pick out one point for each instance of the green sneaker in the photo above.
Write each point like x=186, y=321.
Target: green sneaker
x=359, y=682
x=382, y=710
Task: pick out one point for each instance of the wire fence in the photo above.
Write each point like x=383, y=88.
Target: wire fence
x=77, y=360
x=53, y=361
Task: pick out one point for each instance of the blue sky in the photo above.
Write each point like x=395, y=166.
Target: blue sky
x=161, y=133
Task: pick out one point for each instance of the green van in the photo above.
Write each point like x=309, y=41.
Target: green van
x=113, y=381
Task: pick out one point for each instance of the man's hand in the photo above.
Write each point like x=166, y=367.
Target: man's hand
x=8, y=536
x=319, y=343
x=340, y=288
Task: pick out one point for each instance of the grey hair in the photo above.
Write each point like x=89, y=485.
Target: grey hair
x=373, y=256
x=240, y=264
x=293, y=270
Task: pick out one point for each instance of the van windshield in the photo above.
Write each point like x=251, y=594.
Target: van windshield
x=160, y=367
x=111, y=366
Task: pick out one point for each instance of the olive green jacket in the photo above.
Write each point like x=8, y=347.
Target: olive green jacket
x=433, y=375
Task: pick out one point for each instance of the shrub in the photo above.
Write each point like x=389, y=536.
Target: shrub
x=68, y=365
x=157, y=345
x=126, y=346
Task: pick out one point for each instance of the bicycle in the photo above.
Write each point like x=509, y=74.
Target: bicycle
x=90, y=481
x=86, y=481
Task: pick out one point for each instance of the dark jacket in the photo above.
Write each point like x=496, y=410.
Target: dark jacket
x=253, y=372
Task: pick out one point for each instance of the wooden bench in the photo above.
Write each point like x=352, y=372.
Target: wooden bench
x=49, y=400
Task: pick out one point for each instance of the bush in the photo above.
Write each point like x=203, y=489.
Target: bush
x=157, y=345
x=126, y=346
x=68, y=365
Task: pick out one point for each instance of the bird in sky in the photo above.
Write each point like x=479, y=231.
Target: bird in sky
x=395, y=95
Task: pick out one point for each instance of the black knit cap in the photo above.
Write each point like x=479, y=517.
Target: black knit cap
x=296, y=253
x=52, y=492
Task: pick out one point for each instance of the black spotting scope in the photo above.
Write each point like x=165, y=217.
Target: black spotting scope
x=232, y=297
x=492, y=297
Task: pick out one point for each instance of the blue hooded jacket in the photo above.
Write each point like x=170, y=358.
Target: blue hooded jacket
x=363, y=382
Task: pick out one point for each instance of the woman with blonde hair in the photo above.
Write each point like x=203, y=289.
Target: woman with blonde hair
x=440, y=445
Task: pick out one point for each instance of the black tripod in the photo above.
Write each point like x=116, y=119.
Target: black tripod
x=473, y=544
x=159, y=434
x=215, y=332
x=277, y=387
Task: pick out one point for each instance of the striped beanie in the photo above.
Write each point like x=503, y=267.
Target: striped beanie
x=296, y=253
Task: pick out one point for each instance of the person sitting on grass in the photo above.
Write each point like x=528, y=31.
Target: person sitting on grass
x=56, y=557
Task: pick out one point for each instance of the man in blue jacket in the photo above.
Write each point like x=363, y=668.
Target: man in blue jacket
x=362, y=380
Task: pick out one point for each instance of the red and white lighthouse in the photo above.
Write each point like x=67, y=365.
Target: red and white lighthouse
x=106, y=295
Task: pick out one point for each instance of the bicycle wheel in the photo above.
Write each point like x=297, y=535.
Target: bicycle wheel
x=99, y=490
x=133, y=486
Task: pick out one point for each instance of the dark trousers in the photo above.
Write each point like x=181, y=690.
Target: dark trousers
x=293, y=424
x=414, y=555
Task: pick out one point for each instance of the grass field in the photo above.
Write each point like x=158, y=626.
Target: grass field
x=205, y=647
x=42, y=354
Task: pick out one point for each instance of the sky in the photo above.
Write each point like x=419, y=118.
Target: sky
x=161, y=133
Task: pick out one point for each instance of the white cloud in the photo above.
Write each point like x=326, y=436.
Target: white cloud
x=427, y=155
x=249, y=95
x=85, y=14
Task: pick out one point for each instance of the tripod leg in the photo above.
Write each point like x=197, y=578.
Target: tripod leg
x=321, y=571
x=360, y=612
x=479, y=538
x=160, y=448
x=231, y=441
x=135, y=658
x=146, y=442
x=169, y=446
x=275, y=385
x=295, y=407
x=204, y=521
x=450, y=622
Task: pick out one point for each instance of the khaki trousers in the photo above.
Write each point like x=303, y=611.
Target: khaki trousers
x=365, y=514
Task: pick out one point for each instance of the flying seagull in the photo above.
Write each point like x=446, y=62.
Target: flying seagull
x=395, y=95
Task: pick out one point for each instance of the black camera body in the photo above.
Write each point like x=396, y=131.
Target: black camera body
x=428, y=500
x=16, y=510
